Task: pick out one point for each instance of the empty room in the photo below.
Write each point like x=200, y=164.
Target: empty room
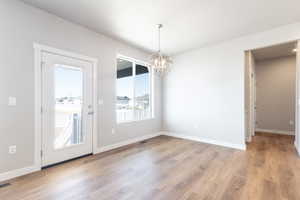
x=158, y=100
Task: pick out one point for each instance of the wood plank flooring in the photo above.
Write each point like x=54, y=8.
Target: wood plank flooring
x=166, y=168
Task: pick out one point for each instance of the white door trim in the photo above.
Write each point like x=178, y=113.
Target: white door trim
x=38, y=50
x=297, y=112
x=250, y=111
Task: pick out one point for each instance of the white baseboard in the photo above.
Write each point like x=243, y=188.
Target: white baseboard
x=297, y=148
x=204, y=140
x=249, y=139
x=18, y=172
x=126, y=142
x=275, y=131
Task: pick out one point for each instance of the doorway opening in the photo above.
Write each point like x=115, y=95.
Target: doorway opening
x=271, y=85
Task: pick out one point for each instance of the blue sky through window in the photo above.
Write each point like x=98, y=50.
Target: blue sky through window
x=68, y=82
x=125, y=85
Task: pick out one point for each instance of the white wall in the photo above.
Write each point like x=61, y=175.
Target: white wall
x=275, y=94
x=204, y=92
x=20, y=27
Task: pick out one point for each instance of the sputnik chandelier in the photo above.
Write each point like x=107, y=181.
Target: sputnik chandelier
x=160, y=63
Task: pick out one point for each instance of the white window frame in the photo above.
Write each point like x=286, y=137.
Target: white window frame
x=151, y=83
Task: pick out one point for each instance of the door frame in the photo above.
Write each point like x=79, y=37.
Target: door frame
x=250, y=115
x=297, y=115
x=38, y=51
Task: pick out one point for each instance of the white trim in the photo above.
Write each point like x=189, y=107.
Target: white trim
x=133, y=60
x=126, y=142
x=38, y=50
x=37, y=106
x=297, y=113
x=95, y=105
x=49, y=49
x=250, y=111
x=18, y=172
x=297, y=149
x=249, y=139
x=205, y=140
x=275, y=131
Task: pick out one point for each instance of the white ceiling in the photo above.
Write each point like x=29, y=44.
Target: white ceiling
x=275, y=51
x=188, y=24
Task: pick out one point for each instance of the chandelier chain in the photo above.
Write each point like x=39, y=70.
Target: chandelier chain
x=159, y=27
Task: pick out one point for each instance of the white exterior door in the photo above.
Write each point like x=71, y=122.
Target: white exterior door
x=67, y=95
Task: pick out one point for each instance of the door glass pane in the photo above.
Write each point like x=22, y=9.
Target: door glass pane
x=142, y=93
x=124, y=91
x=68, y=83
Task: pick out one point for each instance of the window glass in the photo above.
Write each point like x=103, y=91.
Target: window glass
x=133, y=91
x=124, y=90
x=142, y=92
x=68, y=106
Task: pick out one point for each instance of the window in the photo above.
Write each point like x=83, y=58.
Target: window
x=134, y=95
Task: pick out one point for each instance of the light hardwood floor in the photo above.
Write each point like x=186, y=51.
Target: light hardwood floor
x=166, y=168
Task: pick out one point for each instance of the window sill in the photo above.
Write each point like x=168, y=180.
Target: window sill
x=135, y=121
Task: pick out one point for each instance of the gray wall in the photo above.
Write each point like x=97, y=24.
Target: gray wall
x=204, y=92
x=20, y=27
x=275, y=93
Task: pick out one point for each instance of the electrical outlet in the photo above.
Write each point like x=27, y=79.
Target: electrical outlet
x=12, y=149
x=113, y=131
x=291, y=122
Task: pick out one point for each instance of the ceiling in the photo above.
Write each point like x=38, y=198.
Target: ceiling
x=188, y=24
x=275, y=51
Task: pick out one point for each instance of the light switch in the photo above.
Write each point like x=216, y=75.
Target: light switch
x=12, y=101
x=12, y=149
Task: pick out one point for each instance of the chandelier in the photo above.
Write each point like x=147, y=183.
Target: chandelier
x=160, y=63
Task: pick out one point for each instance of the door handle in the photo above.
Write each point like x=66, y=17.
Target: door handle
x=90, y=113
